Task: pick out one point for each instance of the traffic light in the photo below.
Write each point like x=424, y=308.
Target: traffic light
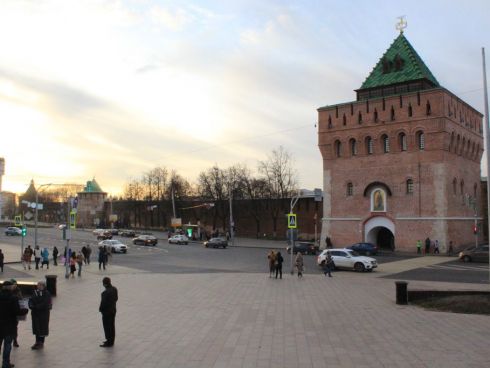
x=475, y=229
x=24, y=231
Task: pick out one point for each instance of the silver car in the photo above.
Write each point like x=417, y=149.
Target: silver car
x=348, y=259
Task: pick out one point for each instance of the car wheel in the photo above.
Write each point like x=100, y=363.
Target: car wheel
x=466, y=259
x=359, y=267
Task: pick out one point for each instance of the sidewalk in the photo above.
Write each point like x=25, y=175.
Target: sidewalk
x=249, y=320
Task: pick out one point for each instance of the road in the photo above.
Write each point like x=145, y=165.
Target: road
x=194, y=258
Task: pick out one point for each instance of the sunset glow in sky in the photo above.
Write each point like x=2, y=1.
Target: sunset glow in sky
x=112, y=89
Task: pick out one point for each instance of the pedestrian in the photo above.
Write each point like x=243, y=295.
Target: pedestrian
x=89, y=252
x=84, y=252
x=18, y=294
x=427, y=245
x=450, y=249
x=278, y=263
x=45, y=257
x=329, y=243
x=436, y=246
x=9, y=311
x=328, y=265
x=419, y=246
x=80, y=260
x=37, y=256
x=107, y=308
x=102, y=257
x=73, y=262
x=40, y=305
x=271, y=256
x=29, y=253
x=2, y=257
x=55, y=256
x=299, y=264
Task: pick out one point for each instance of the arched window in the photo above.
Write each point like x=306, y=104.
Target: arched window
x=455, y=184
x=350, y=189
x=420, y=140
x=338, y=148
x=353, y=147
x=392, y=113
x=428, y=110
x=386, y=143
x=369, y=145
x=402, y=141
x=410, y=112
x=409, y=186
x=462, y=187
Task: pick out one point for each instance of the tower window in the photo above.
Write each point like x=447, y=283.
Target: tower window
x=359, y=118
x=338, y=148
x=455, y=186
x=462, y=187
x=428, y=110
x=409, y=186
x=421, y=141
x=375, y=115
x=367, y=106
x=352, y=109
x=369, y=145
x=350, y=189
x=401, y=101
x=384, y=104
x=329, y=122
x=418, y=98
x=410, y=112
x=403, y=141
x=353, y=147
x=336, y=112
x=392, y=113
x=344, y=120
x=386, y=143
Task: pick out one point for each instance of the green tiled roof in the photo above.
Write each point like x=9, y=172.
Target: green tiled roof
x=399, y=64
x=92, y=187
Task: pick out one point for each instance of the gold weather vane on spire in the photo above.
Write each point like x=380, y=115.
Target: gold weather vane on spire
x=402, y=24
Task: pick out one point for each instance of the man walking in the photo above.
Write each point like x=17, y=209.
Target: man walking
x=9, y=310
x=108, y=309
x=40, y=305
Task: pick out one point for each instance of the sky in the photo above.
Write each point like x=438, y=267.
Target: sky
x=111, y=89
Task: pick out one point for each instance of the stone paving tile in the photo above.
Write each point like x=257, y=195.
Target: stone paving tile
x=249, y=320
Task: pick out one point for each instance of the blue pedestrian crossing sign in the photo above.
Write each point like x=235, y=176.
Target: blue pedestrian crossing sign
x=292, y=224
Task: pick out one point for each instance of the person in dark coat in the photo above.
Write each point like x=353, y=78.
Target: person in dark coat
x=40, y=305
x=1, y=260
x=9, y=311
x=107, y=307
x=279, y=261
x=427, y=246
x=55, y=256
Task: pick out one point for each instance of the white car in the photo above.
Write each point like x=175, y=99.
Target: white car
x=348, y=259
x=178, y=239
x=115, y=246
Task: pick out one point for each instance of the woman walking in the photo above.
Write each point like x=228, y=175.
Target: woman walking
x=299, y=264
x=278, y=263
x=45, y=257
x=80, y=260
x=73, y=262
x=271, y=256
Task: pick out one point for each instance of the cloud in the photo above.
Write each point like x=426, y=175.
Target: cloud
x=175, y=20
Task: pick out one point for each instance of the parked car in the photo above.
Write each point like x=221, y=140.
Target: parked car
x=303, y=248
x=102, y=234
x=12, y=231
x=178, y=239
x=367, y=249
x=115, y=246
x=475, y=254
x=127, y=233
x=216, y=243
x=145, y=240
x=114, y=231
x=348, y=259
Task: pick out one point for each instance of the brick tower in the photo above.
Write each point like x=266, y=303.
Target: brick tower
x=402, y=162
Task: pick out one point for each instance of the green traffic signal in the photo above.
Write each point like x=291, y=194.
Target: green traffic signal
x=24, y=231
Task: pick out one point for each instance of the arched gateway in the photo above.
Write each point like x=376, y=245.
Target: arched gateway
x=380, y=231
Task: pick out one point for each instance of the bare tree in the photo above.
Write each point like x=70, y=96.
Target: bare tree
x=281, y=180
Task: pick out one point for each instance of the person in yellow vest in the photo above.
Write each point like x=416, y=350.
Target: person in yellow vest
x=419, y=246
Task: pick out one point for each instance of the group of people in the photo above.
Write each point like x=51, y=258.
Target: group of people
x=41, y=257
x=275, y=263
x=13, y=308
x=276, y=260
x=430, y=245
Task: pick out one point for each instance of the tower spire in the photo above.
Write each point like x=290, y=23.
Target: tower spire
x=402, y=24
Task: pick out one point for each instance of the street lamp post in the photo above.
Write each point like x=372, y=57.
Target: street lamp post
x=36, y=211
x=294, y=200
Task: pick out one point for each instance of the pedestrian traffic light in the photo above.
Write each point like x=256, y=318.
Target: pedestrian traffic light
x=24, y=231
x=475, y=229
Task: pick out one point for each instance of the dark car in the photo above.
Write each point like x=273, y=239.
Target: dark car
x=127, y=233
x=303, y=248
x=472, y=254
x=216, y=243
x=145, y=240
x=114, y=231
x=366, y=249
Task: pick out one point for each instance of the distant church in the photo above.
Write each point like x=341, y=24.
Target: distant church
x=402, y=162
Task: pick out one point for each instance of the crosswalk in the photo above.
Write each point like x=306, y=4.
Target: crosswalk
x=460, y=267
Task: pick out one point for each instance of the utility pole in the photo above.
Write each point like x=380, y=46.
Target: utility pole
x=68, y=236
x=487, y=143
x=232, y=224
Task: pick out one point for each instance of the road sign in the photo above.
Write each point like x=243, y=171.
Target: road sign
x=18, y=220
x=292, y=221
x=73, y=219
